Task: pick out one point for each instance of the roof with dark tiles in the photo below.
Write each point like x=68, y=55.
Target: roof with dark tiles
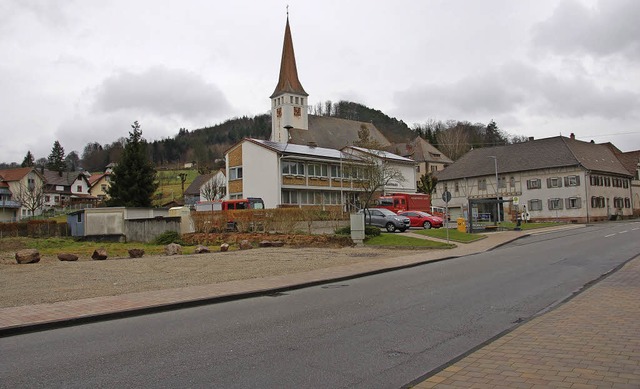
x=534, y=155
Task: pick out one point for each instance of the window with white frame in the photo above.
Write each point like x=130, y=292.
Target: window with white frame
x=627, y=202
x=234, y=196
x=482, y=184
x=573, y=203
x=336, y=171
x=534, y=183
x=554, y=182
x=618, y=202
x=502, y=182
x=555, y=204
x=235, y=173
x=317, y=170
x=535, y=205
x=289, y=197
x=293, y=168
x=572, y=181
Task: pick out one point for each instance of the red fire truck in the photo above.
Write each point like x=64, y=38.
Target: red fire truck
x=398, y=202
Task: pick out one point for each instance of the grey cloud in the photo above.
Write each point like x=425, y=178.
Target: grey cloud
x=161, y=91
x=609, y=28
x=516, y=87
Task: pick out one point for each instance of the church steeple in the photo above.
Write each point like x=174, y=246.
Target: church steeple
x=289, y=99
x=288, y=81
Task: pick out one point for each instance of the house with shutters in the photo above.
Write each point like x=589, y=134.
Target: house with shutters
x=556, y=178
x=67, y=189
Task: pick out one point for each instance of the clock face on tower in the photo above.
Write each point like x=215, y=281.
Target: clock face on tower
x=296, y=111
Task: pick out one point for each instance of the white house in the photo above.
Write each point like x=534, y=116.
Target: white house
x=286, y=175
x=555, y=178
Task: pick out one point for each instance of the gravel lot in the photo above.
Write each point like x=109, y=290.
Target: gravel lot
x=52, y=280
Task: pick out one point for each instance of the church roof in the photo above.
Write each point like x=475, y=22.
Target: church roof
x=334, y=133
x=288, y=81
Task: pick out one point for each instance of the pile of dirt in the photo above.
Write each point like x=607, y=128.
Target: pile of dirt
x=291, y=240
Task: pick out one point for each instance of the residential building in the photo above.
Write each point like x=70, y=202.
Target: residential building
x=429, y=159
x=98, y=185
x=21, y=192
x=206, y=187
x=631, y=161
x=556, y=178
x=67, y=189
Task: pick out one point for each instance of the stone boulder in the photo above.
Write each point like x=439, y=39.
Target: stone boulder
x=136, y=253
x=200, y=249
x=173, y=249
x=67, y=257
x=277, y=243
x=224, y=247
x=245, y=245
x=99, y=254
x=265, y=243
x=28, y=256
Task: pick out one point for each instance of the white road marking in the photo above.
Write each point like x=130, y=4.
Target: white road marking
x=637, y=228
x=608, y=236
x=622, y=232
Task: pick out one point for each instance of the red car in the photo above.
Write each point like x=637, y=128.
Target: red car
x=422, y=219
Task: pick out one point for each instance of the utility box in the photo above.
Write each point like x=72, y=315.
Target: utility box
x=357, y=228
x=462, y=224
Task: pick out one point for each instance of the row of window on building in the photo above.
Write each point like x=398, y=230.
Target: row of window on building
x=615, y=182
x=321, y=170
x=292, y=100
x=311, y=197
x=554, y=182
x=576, y=203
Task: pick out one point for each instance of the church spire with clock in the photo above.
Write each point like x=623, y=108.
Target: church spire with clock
x=289, y=100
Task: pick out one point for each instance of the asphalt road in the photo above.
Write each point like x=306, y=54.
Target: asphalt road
x=381, y=331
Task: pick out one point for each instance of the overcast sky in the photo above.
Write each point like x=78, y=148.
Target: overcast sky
x=82, y=71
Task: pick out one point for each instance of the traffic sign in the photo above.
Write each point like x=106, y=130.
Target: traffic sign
x=446, y=196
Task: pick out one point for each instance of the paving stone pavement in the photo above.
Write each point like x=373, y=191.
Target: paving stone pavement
x=590, y=342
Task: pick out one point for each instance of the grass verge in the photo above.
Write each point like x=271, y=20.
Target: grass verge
x=397, y=240
x=454, y=235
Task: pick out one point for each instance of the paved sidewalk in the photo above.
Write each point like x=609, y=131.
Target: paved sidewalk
x=590, y=342
x=14, y=320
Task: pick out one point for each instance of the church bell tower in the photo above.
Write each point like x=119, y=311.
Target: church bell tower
x=289, y=101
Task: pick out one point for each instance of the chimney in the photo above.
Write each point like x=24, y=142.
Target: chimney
x=572, y=136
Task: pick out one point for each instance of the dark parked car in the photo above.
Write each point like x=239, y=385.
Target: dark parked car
x=422, y=219
x=383, y=218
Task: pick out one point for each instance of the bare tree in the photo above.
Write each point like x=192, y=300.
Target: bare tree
x=453, y=142
x=31, y=197
x=214, y=189
x=371, y=172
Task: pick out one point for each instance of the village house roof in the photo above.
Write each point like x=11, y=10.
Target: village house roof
x=421, y=151
x=288, y=81
x=96, y=177
x=538, y=154
x=16, y=174
x=194, y=187
x=630, y=161
x=53, y=177
x=334, y=133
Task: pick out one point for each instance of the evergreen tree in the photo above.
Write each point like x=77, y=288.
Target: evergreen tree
x=28, y=161
x=56, y=161
x=134, y=177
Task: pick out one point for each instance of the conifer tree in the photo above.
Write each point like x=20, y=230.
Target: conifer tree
x=55, y=161
x=28, y=161
x=134, y=177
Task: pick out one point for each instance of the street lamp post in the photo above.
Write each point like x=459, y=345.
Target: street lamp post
x=495, y=161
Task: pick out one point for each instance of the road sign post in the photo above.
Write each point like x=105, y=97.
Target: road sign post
x=446, y=197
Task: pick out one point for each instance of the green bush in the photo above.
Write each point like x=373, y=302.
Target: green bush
x=168, y=237
x=369, y=231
